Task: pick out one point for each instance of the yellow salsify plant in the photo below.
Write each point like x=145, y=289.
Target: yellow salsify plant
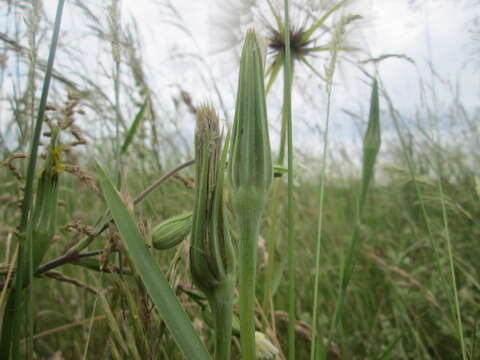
x=212, y=261
x=250, y=174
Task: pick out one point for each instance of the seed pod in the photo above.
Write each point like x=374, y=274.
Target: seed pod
x=172, y=231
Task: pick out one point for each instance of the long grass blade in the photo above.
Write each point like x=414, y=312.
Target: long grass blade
x=155, y=282
x=9, y=343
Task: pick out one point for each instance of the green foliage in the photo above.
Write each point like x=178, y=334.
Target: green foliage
x=156, y=284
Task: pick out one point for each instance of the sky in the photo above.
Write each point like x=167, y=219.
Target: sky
x=427, y=31
x=433, y=31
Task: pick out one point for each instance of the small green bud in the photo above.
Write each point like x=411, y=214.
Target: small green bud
x=172, y=231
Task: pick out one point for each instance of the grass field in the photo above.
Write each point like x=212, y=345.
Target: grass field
x=369, y=253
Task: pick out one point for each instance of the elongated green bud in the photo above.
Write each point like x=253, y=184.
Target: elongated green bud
x=250, y=164
x=251, y=175
x=211, y=253
x=172, y=231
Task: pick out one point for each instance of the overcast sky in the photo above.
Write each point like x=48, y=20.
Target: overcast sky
x=425, y=30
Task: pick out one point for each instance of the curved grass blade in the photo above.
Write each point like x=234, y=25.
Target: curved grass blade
x=155, y=282
x=133, y=129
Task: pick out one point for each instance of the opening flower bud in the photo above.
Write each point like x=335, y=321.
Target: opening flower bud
x=211, y=253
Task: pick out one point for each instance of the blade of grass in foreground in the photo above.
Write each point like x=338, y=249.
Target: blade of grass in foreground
x=9, y=341
x=155, y=282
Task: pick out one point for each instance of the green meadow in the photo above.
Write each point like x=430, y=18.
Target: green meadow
x=207, y=218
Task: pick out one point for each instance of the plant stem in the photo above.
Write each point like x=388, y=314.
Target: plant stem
x=287, y=108
x=271, y=241
x=249, y=222
x=221, y=303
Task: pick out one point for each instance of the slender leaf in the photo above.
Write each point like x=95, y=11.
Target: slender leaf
x=155, y=282
x=133, y=129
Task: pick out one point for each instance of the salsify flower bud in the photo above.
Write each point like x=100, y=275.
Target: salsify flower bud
x=171, y=232
x=250, y=174
x=211, y=253
x=250, y=164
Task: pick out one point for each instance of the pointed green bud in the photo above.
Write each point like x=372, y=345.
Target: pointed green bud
x=172, y=231
x=211, y=253
x=251, y=175
x=250, y=164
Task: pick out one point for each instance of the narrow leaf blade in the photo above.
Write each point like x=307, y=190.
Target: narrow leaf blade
x=155, y=282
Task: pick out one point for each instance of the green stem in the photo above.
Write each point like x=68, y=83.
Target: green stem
x=221, y=303
x=271, y=241
x=249, y=228
x=287, y=109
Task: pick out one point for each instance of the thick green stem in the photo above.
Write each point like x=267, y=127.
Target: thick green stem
x=249, y=221
x=221, y=303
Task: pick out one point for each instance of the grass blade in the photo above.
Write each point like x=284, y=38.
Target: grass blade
x=9, y=342
x=155, y=282
x=133, y=129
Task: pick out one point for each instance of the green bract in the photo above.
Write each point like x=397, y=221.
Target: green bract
x=211, y=253
x=250, y=164
x=172, y=231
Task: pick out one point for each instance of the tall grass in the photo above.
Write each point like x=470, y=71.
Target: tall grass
x=352, y=268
